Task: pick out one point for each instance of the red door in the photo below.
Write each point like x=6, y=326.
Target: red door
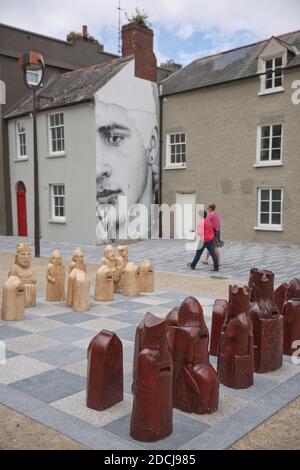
x=21, y=208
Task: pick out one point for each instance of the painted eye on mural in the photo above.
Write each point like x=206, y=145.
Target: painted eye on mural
x=114, y=134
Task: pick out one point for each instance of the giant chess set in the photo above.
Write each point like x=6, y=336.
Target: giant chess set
x=133, y=367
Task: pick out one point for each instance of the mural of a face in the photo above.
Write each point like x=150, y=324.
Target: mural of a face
x=121, y=164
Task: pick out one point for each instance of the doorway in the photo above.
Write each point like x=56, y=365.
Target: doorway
x=21, y=209
x=185, y=216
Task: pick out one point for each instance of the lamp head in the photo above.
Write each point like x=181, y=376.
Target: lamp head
x=33, y=66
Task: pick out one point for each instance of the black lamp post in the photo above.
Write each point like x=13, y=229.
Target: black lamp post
x=33, y=68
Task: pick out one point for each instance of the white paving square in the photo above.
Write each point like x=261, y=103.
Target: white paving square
x=38, y=324
x=152, y=300
x=21, y=367
x=30, y=343
x=104, y=310
x=75, y=405
x=79, y=368
x=103, y=324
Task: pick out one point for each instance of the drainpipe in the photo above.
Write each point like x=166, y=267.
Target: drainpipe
x=160, y=157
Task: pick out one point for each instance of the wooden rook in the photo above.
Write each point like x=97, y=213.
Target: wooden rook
x=267, y=322
x=13, y=299
x=104, y=286
x=131, y=280
x=195, y=381
x=55, y=289
x=235, y=355
x=152, y=412
x=105, y=371
x=146, y=276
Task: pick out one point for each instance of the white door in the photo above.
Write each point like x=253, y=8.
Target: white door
x=185, y=216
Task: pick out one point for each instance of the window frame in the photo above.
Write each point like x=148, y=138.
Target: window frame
x=270, y=226
x=274, y=89
x=18, y=136
x=269, y=162
x=180, y=165
x=58, y=153
x=53, y=217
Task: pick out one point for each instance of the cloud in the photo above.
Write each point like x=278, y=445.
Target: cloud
x=182, y=18
x=185, y=32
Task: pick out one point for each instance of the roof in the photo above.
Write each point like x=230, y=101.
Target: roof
x=227, y=66
x=70, y=88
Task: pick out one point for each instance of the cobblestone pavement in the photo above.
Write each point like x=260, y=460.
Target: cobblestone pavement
x=172, y=256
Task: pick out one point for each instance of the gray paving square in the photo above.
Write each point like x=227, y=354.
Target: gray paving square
x=72, y=318
x=127, y=305
x=127, y=333
x=7, y=332
x=60, y=355
x=68, y=333
x=51, y=386
x=184, y=429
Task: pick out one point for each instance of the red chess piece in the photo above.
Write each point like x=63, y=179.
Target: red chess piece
x=279, y=296
x=291, y=317
x=105, y=371
x=152, y=412
x=235, y=356
x=218, y=318
x=267, y=322
x=195, y=382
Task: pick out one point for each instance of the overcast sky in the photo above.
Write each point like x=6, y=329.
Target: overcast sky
x=184, y=29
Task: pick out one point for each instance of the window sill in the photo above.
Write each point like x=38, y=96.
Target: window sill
x=267, y=164
x=21, y=159
x=61, y=222
x=270, y=91
x=171, y=167
x=55, y=155
x=269, y=229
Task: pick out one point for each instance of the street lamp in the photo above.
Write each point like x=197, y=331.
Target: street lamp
x=33, y=66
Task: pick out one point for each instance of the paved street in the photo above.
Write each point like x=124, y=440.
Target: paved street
x=172, y=256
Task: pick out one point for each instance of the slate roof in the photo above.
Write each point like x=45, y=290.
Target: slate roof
x=227, y=66
x=69, y=88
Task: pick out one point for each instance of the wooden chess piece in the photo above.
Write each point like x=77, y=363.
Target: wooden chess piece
x=23, y=270
x=13, y=299
x=55, y=289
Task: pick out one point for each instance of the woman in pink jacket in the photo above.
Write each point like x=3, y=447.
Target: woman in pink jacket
x=206, y=233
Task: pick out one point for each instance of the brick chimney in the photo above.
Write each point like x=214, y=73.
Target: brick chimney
x=137, y=40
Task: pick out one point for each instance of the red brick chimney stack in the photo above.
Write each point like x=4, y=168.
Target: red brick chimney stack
x=84, y=31
x=137, y=40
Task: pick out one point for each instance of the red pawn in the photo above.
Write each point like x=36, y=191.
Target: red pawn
x=105, y=371
x=152, y=412
x=235, y=357
x=218, y=318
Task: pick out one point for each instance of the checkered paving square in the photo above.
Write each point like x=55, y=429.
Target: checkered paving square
x=44, y=377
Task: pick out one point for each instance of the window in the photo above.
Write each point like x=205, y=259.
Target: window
x=270, y=208
x=176, y=150
x=270, y=144
x=57, y=192
x=56, y=134
x=273, y=69
x=21, y=141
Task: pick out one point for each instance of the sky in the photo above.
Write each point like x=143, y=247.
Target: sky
x=184, y=29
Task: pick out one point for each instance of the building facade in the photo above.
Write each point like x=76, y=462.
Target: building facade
x=97, y=142
x=230, y=135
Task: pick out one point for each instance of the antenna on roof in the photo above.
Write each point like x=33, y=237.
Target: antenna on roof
x=120, y=29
